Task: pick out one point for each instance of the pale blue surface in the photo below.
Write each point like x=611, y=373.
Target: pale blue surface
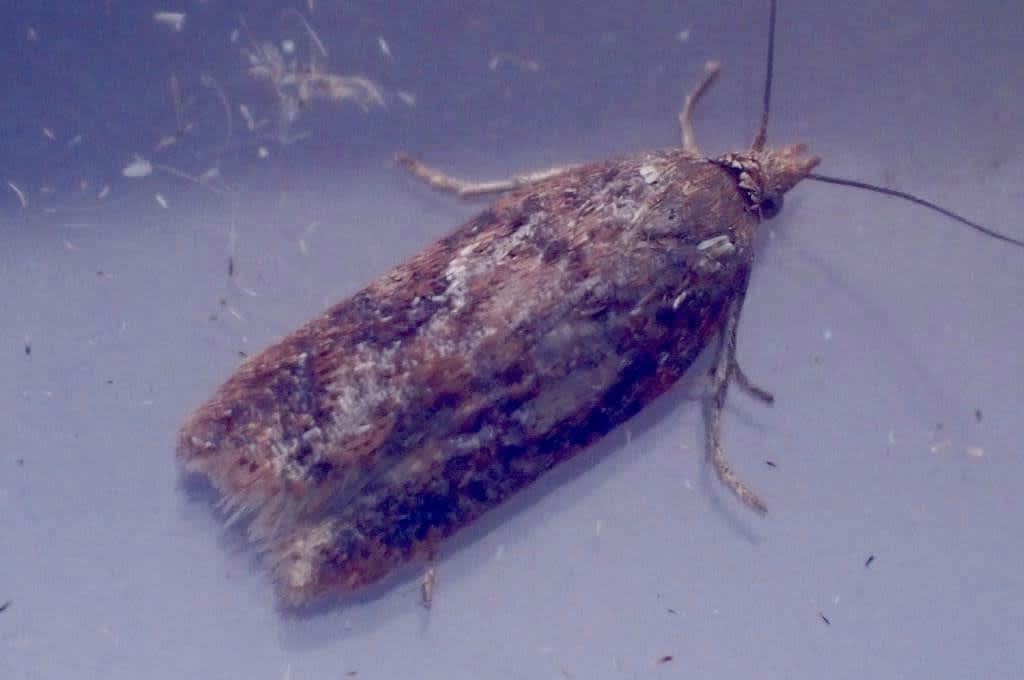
x=879, y=327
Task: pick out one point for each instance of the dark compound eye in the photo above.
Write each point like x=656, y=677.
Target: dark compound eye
x=771, y=206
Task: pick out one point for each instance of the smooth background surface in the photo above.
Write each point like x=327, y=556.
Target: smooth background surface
x=881, y=329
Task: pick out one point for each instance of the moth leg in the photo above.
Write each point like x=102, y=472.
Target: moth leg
x=725, y=370
x=749, y=387
x=711, y=70
x=467, y=189
x=429, y=580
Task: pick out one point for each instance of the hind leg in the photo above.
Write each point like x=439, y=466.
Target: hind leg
x=726, y=370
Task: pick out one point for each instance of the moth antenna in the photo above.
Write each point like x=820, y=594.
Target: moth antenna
x=919, y=201
x=762, y=131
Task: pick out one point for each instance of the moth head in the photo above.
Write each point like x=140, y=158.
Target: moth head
x=765, y=176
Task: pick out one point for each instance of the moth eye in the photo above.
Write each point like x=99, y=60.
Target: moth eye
x=771, y=206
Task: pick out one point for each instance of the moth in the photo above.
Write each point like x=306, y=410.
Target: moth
x=402, y=414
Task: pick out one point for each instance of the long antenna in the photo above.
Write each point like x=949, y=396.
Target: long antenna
x=919, y=201
x=762, y=132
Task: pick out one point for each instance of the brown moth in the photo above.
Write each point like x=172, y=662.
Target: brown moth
x=403, y=413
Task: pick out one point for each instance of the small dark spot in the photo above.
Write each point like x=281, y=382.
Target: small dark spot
x=532, y=205
x=110, y=382
x=554, y=250
x=303, y=452
x=28, y=350
x=869, y=560
x=825, y=619
x=99, y=272
x=665, y=659
x=231, y=266
x=665, y=316
x=770, y=463
x=319, y=471
x=5, y=606
x=477, y=490
x=672, y=611
x=486, y=218
x=449, y=399
x=250, y=464
x=433, y=510
x=456, y=467
x=242, y=354
x=510, y=452
x=20, y=461
x=977, y=414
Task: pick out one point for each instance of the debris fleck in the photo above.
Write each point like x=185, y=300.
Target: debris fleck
x=175, y=91
x=28, y=349
x=825, y=619
x=665, y=659
x=263, y=152
x=165, y=142
x=210, y=174
x=408, y=98
x=306, y=233
x=48, y=133
x=104, y=192
x=977, y=414
x=139, y=167
x=298, y=85
x=6, y=605
x=250, y=122
x=499, y=60
x=309, y=29
x=869, y=560
x=172, y=20
x=21, y=194
x=161, y=201
x=975, y=452
x=770, y=463
x=385, y=49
